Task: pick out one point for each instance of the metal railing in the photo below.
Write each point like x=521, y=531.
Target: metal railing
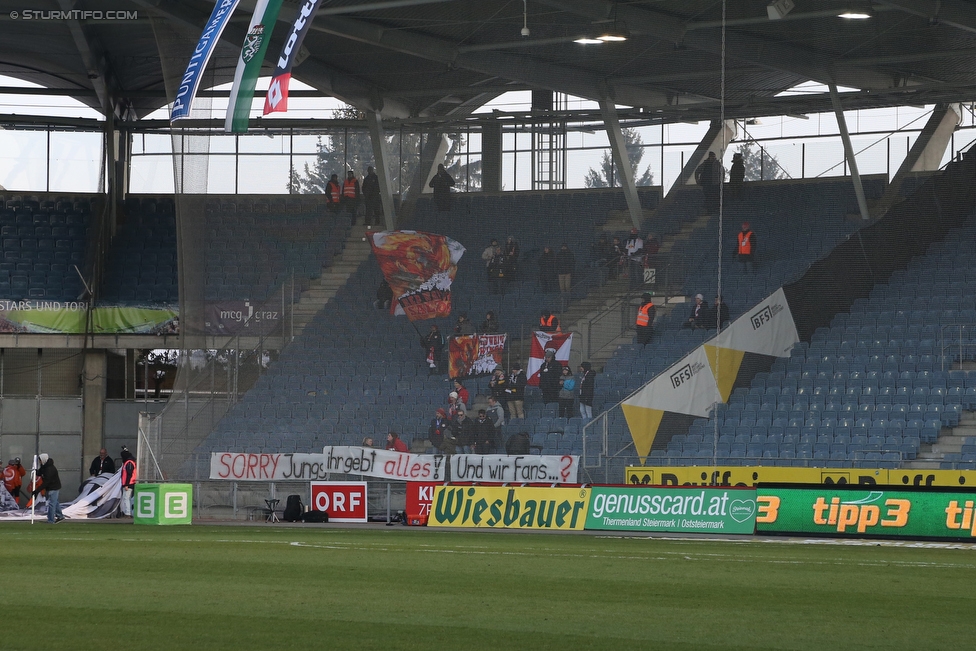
x=956, y=344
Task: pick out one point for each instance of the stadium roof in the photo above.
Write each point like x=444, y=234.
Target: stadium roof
x=436, y=59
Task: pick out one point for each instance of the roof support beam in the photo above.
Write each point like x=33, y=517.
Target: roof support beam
x=382, y=160
x=618, y=146
x=92, y=56
x=961, y=15
x=845, y=136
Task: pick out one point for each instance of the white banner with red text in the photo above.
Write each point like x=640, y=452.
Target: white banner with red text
x=388, y=464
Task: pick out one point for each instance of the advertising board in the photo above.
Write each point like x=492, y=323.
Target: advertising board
x=753, y=475
x=509, y=507
x=882, y=511
x=344, y=501
x=677, y=510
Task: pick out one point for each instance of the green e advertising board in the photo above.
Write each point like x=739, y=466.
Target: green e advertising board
x=162, y=504
x=673, y=509
x=892, y=512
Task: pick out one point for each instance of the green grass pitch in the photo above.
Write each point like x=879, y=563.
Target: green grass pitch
x=81, y=586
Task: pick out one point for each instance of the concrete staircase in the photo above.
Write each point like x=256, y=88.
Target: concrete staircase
x=950, y=441
x=322, y=290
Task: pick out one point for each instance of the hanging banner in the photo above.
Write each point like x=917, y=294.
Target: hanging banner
x=560, y=342
x=249, y=64
x=69, y=317
x=708, y=374
x=420, y=268
x=532, y=468
x=277, y=98
x=474, y=354
x=190, y=82
x=335, y=459
x=687, y=387
x=767, y=329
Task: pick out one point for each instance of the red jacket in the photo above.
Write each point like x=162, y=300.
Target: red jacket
x=398, y=445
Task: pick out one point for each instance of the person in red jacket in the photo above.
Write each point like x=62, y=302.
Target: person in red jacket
x=13, y=477
x=394, y=442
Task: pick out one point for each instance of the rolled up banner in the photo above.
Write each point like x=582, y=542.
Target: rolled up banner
x=190, y=82
x=249, y=64
x=277, y=99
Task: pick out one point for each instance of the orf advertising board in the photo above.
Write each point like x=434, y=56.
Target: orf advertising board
x=344, y=501
x=673, y=509
x=877, y=511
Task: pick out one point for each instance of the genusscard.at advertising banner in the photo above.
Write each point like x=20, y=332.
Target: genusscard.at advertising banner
x=676, y=510
x=388, y=464
x=509, y=507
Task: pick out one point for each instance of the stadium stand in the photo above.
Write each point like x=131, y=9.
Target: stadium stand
x=319, y=376
x=869, y=390
x=43, y=240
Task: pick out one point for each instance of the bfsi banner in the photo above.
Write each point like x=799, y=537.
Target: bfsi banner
x=706, y=375
x=509, y=507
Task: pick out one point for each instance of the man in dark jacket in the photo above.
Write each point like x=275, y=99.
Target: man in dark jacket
x=464, y=431
x=484, y=434
x=102, y=463
x=371, y=197
x=51, y=485
x=719, y=309
x=442, y=184
x=565, y=267
x=518, y=443
x=587, y=384
x=549, y=374
x=516, y=392
x=547, y=271
x=441, y=433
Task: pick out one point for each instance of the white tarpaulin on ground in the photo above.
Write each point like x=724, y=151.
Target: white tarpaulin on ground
x=101, y=497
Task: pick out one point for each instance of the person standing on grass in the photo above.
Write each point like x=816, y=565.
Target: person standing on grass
x=51, y=485
x=128, y=480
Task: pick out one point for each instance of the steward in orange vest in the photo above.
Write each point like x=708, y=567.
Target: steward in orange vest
x=350, y=193
x=645, y=319
x=548, y=322
x=333, y=193
x=746, y=248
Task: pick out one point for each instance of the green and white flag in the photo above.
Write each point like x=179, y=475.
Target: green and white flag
x=249, y=64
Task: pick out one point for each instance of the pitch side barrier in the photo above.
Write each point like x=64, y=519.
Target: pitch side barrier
x=879, y=511
x=680, y=509
x=755, y=475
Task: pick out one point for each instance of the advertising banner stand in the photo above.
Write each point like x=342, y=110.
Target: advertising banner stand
x=161, y=504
